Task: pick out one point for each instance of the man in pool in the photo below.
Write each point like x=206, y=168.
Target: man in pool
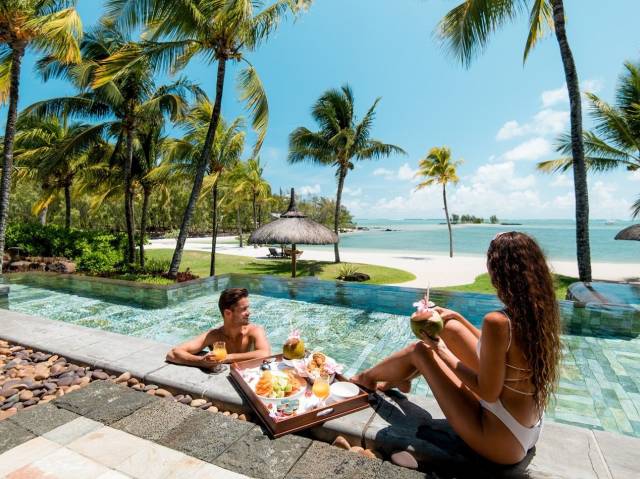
x=242, y=340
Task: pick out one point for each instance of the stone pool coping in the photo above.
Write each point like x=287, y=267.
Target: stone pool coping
x=393, y=422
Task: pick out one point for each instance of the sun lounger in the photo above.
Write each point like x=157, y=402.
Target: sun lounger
x=274, y=253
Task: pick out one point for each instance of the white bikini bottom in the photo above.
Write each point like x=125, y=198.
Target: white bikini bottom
x=526, y=436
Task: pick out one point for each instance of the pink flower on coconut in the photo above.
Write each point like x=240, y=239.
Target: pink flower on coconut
x=423, y=305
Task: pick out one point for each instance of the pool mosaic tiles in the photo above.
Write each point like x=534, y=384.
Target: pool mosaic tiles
x=599, y=386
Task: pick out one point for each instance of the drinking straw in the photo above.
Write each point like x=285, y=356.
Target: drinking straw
x=428, y=288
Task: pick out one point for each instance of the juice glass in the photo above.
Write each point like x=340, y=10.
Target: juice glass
x=219, y=354
x=320, y=389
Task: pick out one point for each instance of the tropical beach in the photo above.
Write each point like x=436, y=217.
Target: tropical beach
x=289, y=239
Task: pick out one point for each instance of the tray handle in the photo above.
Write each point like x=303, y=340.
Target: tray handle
x=324, y=412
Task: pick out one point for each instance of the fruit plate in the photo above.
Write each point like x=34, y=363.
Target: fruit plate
x=280, y=373
x=312, y=414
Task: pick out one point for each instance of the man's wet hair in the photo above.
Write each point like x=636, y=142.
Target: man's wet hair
x=230, y=297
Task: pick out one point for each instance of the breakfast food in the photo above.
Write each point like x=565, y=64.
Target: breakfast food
x=264, y=387
x=278, y=384
x=317, y=364
x=294, y=346
x=430, y=326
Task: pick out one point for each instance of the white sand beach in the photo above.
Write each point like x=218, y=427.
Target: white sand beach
x=436, y=269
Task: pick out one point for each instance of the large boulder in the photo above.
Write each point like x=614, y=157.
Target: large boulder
x=20, y=266
x=358, y=277
x=62, y=267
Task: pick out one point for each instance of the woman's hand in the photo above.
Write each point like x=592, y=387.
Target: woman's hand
x=437, y=344
x=445, y=314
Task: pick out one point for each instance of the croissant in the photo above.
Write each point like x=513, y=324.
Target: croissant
x=264, y=387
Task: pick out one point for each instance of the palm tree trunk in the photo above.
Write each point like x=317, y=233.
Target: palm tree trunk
x=42, y=217
x=17, y=52
x=259, y=215
x=146, y=194
x=255, y=211
x=128, y=198
x=239, y=225
x=336, y=218
x=67, y=207
x=202, y=168
x=446, y=212
x=577, y=146
x=214, y=227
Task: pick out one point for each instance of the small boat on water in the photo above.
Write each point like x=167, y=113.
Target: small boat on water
x=610, y=222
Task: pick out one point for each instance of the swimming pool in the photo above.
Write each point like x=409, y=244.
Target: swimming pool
x=359, y=325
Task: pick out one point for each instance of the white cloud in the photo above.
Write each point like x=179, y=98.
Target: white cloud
x=560, y=95
x=530, y=150
x=352, y=191
x=383, y=172
x=563, y=202
x=563, y=180
x=545, y=122
x=635, y=175
x=404, y=173
x=310, y=190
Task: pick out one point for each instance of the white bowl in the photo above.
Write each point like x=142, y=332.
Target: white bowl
x=344, y=390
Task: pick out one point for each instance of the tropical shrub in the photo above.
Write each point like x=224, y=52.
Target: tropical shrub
x=94, y=251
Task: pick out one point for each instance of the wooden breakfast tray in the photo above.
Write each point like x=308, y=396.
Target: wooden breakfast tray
x=280, y=427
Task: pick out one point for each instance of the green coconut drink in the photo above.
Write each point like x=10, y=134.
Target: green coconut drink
x=430, y=326
x=294, y=346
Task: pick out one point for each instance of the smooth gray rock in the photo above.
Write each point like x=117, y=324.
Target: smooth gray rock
x=205, y=435
x=621, y=454
x=12, y=435
x=155, y=420
x=257, y=455
x=140, y=363
x=390, y=471
x=43, y=418
x=104, y=401
x=322, y=460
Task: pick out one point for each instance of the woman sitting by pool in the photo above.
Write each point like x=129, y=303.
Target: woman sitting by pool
x=492, y=385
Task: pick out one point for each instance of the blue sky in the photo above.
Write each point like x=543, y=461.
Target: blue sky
x=498, y=116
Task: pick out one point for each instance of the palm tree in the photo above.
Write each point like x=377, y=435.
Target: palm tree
x=256, y=187
x=438, y=168
x=54, y=153
x=184, y=155
x=123, y=104
x=340, y=140
x=615, y=141
x=49, y=26
x=217, y=30
x=467, y=28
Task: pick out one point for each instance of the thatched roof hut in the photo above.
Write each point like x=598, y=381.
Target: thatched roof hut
x=293, y=227
x=629, y=233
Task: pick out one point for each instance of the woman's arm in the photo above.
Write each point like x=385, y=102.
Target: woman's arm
x=487, y=383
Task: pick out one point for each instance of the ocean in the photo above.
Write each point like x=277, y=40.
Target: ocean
x=557, y=238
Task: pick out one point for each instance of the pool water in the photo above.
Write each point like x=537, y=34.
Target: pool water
x=600, y=378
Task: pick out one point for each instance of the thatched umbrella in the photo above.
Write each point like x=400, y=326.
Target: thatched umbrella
x=629, y=233
x=293, y=227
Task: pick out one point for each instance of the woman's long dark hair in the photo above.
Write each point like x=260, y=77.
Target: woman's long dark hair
x=520, y=273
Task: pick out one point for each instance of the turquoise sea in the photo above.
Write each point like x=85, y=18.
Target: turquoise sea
x=557, y=238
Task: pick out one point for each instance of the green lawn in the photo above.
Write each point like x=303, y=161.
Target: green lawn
x=198, y=262
x=482, y=284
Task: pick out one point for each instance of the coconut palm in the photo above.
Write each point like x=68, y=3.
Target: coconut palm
x=340, y=141
x=184, y=156
x=466, y=30
x=615, y=141
x=251, y=182
x=219, y=31
x=51, y=27
x=438, y=168
x=53, y=153
x=123, y=104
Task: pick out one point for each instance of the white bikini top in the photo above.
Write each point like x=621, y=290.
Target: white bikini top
x=515, y=368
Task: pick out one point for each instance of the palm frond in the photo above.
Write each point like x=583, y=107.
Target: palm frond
x=252, y=92
x=540, y=22
x=635, y=209
x=5, y=77
x=58, y=34
x=377, y=149
x=465, y=30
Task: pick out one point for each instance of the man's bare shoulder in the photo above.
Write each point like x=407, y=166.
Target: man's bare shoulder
x=255, y=330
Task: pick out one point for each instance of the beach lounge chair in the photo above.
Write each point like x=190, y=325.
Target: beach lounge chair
x=274, y=253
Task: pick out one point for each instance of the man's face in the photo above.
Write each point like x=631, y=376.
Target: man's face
x=239, y=313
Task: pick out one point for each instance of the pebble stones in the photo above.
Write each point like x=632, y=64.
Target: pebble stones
x=404, y=459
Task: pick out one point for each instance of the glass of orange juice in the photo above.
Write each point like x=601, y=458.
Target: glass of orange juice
x=219, y=354
x=321, y=389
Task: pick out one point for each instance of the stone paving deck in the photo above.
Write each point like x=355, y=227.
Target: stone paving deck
x=393, y=422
